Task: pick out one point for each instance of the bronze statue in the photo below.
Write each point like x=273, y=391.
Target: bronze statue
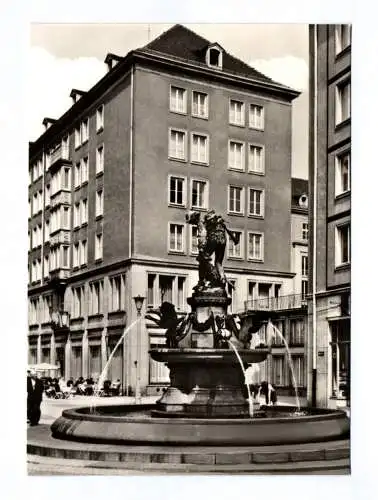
x=166, y=317
x=212, y=240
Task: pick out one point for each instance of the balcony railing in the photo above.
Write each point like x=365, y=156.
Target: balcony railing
x=60, y=198
x=59, y=274
x=62, y=236
x=276, y=303
x=59, y=153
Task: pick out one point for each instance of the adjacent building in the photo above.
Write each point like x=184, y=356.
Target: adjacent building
x=330, y=215
x=177, y=125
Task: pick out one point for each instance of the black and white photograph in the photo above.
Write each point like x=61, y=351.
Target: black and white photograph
x=189, y=249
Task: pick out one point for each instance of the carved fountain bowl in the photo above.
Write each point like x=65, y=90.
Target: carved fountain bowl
x=209, y=356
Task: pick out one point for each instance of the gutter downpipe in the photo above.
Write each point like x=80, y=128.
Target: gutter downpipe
x=126, y=352
x=314, y=225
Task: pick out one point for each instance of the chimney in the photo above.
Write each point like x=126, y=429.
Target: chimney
x=76, y=94
x=47, y=122
x=111, y=60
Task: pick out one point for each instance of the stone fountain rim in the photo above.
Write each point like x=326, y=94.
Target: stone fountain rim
x=75, y=414
x=208, y=355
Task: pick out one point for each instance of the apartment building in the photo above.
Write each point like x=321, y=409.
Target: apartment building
x=289, y=312
x=330, y=214
x=177, y=125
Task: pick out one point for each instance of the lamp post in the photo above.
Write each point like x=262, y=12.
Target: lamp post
x=138, y=304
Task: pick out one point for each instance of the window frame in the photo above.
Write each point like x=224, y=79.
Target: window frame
x=242, y=200
x=100, y=167
x=338, y=173
x=342, y=84
x=262, y=148
x=339, y=47
x=256, y=259
x=207, y=143
x=185, y=100
x=99, y=213
x=338, y=250
x=242, y=124
x=174, y=251
x=99, y=255
x=206, y=193
x=100, y=121
x=261, y=215
x=191, y=239
x=184, y=191
x=180, y=131
x=229, y=166
x=241, y=244
x=203, y=117
x=253, y=127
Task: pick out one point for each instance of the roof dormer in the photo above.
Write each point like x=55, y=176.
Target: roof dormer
x=214, y=56
x=47, y=122
x=76, y=95
x=111, y=60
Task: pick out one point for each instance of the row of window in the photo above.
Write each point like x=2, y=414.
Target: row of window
x=80, y=251
x=82, y=129
x=95, y=299
x=177, y=242
x=199, y=151
x=178, y=103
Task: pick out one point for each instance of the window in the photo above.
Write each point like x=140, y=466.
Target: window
x=40, y=168
x=200, y=148
x=298, y=369
x=84, y=170
x=194, y=240
x=296, y=332
x=236, y=112
x=256, y=159
x=100, y=159
x=65, y=257
x=98, y=246
x=177, y=189
x=236, y=155
x=30, y=208
x=77, y=175
x=66, y=184
x=177, y=140
x=117, y=293
x=256, y=202
x=84, y=130
x=176, y=237
x=342, y=107
x=177, y=101
x=84, y=211
x=66, y=218
x=76, y=252
x=35, y=171
x=255, y=246
x=47, y=231
x=35, y=203
x=304, y=266
x=77, y=218
x=200, y=104
x=83, y=252
x=199, y=193
x=99, y=203
x=342, y=37
x=77, y=137
x=342, y=245
x=235, y=250
x=304, y=231
x=341, y=362
x=47, y=195
x=96, y=292
x=46, y=267
x=278, y=370
x=30, y=176
x=342, y=173
x=66, y=147
x=215, y=57
x=100, y=118
x=236, y=199
x=304, y=289
x=256, y=116
x=78, y=302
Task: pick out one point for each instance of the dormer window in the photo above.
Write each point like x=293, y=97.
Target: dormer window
x=214, y=56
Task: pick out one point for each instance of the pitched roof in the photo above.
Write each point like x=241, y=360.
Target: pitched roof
x=182, y=42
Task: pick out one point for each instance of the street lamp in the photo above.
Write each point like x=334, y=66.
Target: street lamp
x=138, y=304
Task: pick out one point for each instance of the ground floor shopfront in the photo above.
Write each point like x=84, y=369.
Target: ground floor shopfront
x=329, y=364
x=106, y=331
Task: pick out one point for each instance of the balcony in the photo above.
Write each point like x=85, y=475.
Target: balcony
x=59, y=237
x=59, y=155
x=60, y=198
x=59, y=275
x=283, y=303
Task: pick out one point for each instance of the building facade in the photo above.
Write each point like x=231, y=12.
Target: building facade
x=330, y=215
x=176, y=125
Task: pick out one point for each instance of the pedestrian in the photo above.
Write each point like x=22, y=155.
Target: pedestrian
x=267, y=390
x=34, y=397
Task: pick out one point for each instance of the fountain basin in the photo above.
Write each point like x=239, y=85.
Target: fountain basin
x=136, y=424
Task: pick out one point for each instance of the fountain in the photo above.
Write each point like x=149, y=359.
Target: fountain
x=207, y=352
